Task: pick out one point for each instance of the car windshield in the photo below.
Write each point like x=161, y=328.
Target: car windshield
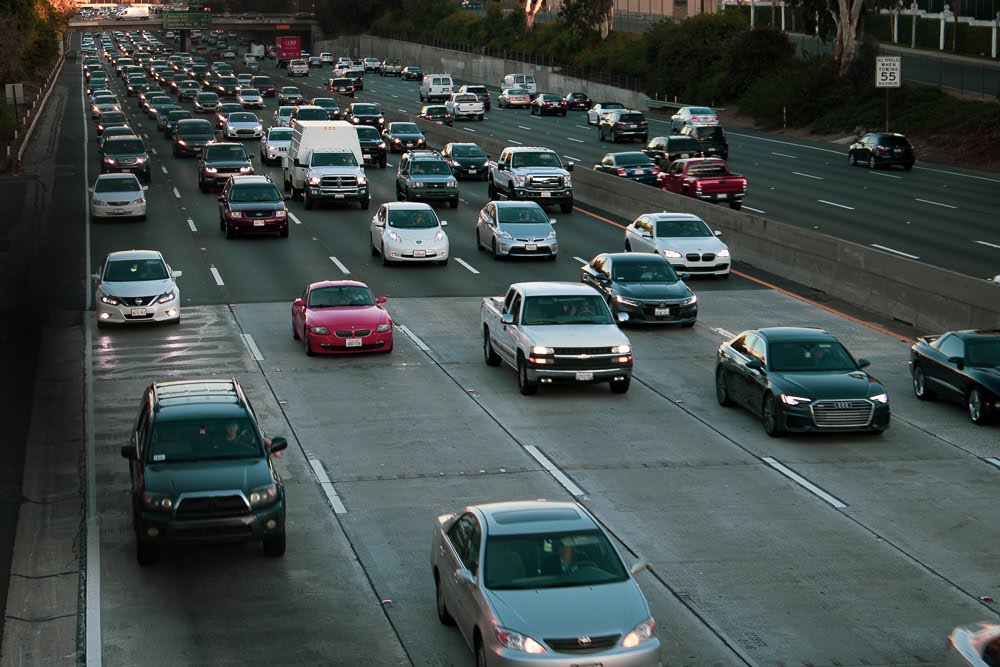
x=284, y=112
x=197, y=130
x=566, y=309
x=208, y=97
x=134, y=270
x=713, y=168
x=242, y=118
x=263, y=192
x=223, y=152
x=333, y=160
x=983, y=353
x=681, y=229
x=809, y=356
x=250, y=92
x=543, y=159
x=551, y=560
x=404, y=128
x=290, y=90
x=203, y=439
x=344, y=295
x=118, y=184
x=643, y=272
x=509, y=215
x=430, y=167
x=112, y=117
x=632, y=160
x=325, y=102
x=412, y=219
x=230, y=107
x=124, y=147
x=368, y=133
x=365, y=109
x=467, y=151
x=280, y=134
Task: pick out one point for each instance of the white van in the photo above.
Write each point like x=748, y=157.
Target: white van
x=435, y=87
x=526, y=81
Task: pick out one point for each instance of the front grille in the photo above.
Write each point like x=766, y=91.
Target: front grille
x=347, y=333
x=138, y=300
x=245, y=132
x=116, y=203
x=842, y=414
x=339, y=182
x=582, y=350
x=228, y=170
x=545, y=182
x=259, y=214
x=212, y=506
x=583, y=644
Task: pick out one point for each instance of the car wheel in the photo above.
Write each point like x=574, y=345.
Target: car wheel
x=771, y=417
x=722, y=389
x=920, y=388
x=365, y=203
x=526, y=386
x=283, y=233
x=852, y=158
x=871, y=162
x=230, y=231
x=453, y=203
x=295, y=332
x=382, y=163
x=493, y=250
x=600, y=134
x=399, y=195
x=442, y=609
x=620, y=386
x=491, y=191
x=308, y=201
x=736, y=205
x=306, y=342
x=480, y=653
x=974, y=402
x=489, y=354
x=385, y=258
x=908, y=166
x=274, y=546
x=146, y=553
x=628, y=246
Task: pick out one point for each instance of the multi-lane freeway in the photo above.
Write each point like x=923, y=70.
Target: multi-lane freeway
x=835, y=550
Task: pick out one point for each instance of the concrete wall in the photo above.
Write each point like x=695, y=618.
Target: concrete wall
x=931, y=299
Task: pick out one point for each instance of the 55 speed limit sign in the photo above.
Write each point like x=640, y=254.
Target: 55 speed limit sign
x=887, y=72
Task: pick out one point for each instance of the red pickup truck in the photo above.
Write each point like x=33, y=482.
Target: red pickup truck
x=705, y=178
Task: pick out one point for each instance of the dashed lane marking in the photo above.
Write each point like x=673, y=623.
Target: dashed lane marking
x=894, y=251
x=252, y=347
x=554, y=470
x=177, y=193
x=324, y=482
x=934, y=203
x=340, y=265
x=217, y=276
x=804, y=483
x=294, y=219
x=191, y=225
x=799, y=173
x=831, y=203
x=466, y=265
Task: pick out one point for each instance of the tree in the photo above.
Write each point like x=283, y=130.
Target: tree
x=589, y=15
x=846, y=19
x=531, y=8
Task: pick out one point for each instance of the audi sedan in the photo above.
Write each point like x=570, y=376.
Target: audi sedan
x=516, y=228
x=800, y=379
x=643, y=285
x=540, y=583
x=341, y=316
x=961, y=367
x=136, y=286
x=634, y=165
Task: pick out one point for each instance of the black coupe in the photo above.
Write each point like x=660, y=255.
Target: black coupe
x=960, y=366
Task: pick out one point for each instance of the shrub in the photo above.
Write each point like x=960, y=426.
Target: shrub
x=753, y=54
x=7, y=123
x=802, y=90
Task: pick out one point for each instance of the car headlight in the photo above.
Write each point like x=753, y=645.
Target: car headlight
x=381, y=120
x=642, y=633
x=628, y=302
x=245, y=170
x=551, y=235
x=319, y=331
x=671, y=254
x=109, y=160
x=723, y=253
x=621, y=349
x=519, y=181
x=439, y=236
x=382, y=328
x=504, y=234
x=541, y=349
x=211, y=170
x=417, y=184
x=794, y=400
x=157, y=502
x=395, y=141
x=690, y=300
x=263, y=496
x=381, y=144
x=110, y=300
x=136, y=202
x=315, y=180
x=258, y=128
x=280, y=213
x=236, y=214
x=567, y=181
x=517, y=641
x=882, y=398
x=181, y=142
x=362, y=180
x=140, y=160
x=167, y=297
x=451, y=184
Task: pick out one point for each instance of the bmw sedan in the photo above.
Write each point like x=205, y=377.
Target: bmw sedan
x=800, y=379
x=341, y=316
x=683, y=239
x=962, y=367
x=643, y=285
x=540, y=583
x=516, y=228
x=136, y=286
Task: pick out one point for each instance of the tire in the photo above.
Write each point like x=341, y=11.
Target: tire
x=283, y=233
x=920, y=388
x=295, y=332
x=308, y=201
x=492, y=191
x=230, y=232
x=306, y=343
x=382, y=163
x=722, y=389
x=566, y=207
x=274, y=547
x=493, y=250
x=526, y=387
x=628, y=246
x=202, y=186
x=852, y=159
x=298, y=193
x=620, y=386
x=871, y=162
x=769, y=417
x=908, y=166
x=480, y=653
x=489, y=354
x=399, y=195
x=443, y=262
x=442, y=608
x=365, y=203
x=974, y=404
x=736, y=205
x=600, y=135
x=146, y=553
x=385, y=259
x=481, y=117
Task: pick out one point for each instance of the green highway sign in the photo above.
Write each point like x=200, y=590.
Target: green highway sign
x=187, y=20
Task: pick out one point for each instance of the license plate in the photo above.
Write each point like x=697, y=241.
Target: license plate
x=546, y=194
x=531, y=246
x=353, y=342
x=258, y=223
x=138, y=312
x=640, y=172
x=419, y=253
x=338, y=196
x=584, y=375
x=685, y=156
x=472, y=171
x=662, y=312
x=119, y=211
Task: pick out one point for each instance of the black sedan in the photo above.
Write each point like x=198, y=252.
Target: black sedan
x=578, y=101
x=633, y=165
x=800, y=379
x=960, y=366
x=467, y=160
x=401, y=137
x=547, y=104
x=644, y=285
x=438, y=113
x=411, y=73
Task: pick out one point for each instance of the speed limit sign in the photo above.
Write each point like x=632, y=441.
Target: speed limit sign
x=887, y=72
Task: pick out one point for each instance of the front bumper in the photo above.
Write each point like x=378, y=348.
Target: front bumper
x=112, y=211
x=466, y=171
x=646, y=312
x=800, y=419
x=519, y=248
x=338, y=194
x=243, y=134
x=122, y=314
x=411, y=252
x=404, y=146
x=646, y=654
x=581, y=370
x=334, y=344
x=261, y=524
x=258, y=104
x=274, y=154
x=140, y=170
x=432, y=194
x=545, y=196
x=190, y=149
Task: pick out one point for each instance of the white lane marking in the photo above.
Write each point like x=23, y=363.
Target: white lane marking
x=804, y=483
x=466, y=265
x=511, y=141
x=993, y=461
x=882, y=173
x=340, y=266
x=525, y=128
x=153, y=151
x=987, y=243
x=751, y=208
x=145, y=135
x=294, y=219
x=895, y=252
x=469, y=129
x=935, y=203
x=191, y=225
x=402, y=110
x=163, y=168
x=580, y=259
x=217, y=276
x=725, y=333
x=326, y=485
x=570, y=157
x=389, y=164
x=252, y=347
x=799, y=173
x=396, y=96
x=412, y=336
x=584, y=127
x=784, y=155
x=579, y=141
x=176, y=193
x=560, y=476
x=830, y=203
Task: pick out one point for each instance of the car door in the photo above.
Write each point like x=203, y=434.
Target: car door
x=299, y=310
x=140, y=438
x=674, y=177
x=647, y=235
x=378, y=226
x=943, y=373
x=485, y=225
x=756, y=381
x=451, y=556
x=506, y=339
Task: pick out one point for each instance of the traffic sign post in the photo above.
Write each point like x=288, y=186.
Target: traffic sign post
x=887, y=75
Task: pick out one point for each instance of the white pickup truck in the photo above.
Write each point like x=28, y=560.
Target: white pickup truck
x=556, y=332
x=465, y=105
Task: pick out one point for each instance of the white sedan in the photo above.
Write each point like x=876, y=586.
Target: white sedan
x=694, y=116
x=250, y=98
x=118, y=196
x=599, y=110
x=408, y=232
x=137, y=286
x=683, y=239
x=242, y=125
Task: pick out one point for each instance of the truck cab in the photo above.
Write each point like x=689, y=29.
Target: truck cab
x=324, y=164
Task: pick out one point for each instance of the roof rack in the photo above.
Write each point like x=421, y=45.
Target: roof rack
x=236, y=388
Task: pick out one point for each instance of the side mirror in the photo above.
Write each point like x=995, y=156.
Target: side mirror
x=250, y=157
x=717, y=233
x=176, y=274
x=639, y=566
x=278, y=444
x=501, y=166
x=488, y=156
x=463, y=576
x=552, y=221
x=958, y=361
x=96, y=277
x=130, y=452
x=298, y=302
x=623, y=317
x=221, y=198
x=91, y=190
x=569, y=166
x=755, y=364
x=864, y=363
x=507, y=318
x=380, y=300
x=444, y=223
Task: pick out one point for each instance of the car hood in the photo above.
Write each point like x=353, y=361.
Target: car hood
x=137, y=288
x=817, y=385
x=278, y=143
x=576, y=335
x=244, y=124
x=540, y=171
x=652, y=291
x=226, y=164
x=347, y=317
x=684, y=245
x=417, y=234
x=606, y=609
x=126, y=195
x=199, y=476
x=527, y=230
x=407, y=136
x=257, y=205
x=471, y=161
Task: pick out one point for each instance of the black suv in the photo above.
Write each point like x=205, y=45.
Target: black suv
x=712, y=139
x=252, y=205
x=882, y=150
x=623, y=124
x=341, y=85
x=201, y=470
x=365, y=113
x=220, y=161
x=126, y=154
x=425, y=176
x=372, y=146
x=664, y=150
x=227, y=86
x=191, y=136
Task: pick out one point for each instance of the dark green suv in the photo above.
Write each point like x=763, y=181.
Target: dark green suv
x=424, y=176
x=201, y=470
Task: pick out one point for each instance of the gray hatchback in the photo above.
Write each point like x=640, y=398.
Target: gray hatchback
x=540, y=583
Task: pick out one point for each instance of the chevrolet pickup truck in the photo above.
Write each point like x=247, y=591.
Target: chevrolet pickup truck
x=465, y=105
x=705, y=178
x=556, y=332
x=532, y=173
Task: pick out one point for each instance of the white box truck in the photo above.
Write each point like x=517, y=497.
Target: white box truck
x=324, y=163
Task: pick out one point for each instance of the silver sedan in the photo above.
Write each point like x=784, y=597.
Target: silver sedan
x=521, y=228
x=540, y=583
x=694, y=116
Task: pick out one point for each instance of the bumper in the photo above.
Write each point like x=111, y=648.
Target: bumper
x=717, y=268
x=404, y=146
x=104, y=211
x=201, y=109
x=645, y=179
x=267, y=522
x=219, y=179
x=654, y=314
x=595, y=372
x=266, y=92
x=721, y=196
x=545, y=196
x=334, y=194
x=410, y=252
x=258, y=225
x=371, y=157
x=244, y=134
x=259, y=104
x=432, y=194
x=894, y=160
x=189, y=150
x=799, y=419
x=155, y=312
x=508, y=248
x=273, y=154
x=332, y=344
x=471, y=172
x=645, y=655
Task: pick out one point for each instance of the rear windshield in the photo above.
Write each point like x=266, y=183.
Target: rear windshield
x=264, y=192
x=258, y=80
x=118, y=184
x=707, y=169
x=178, y=115
x=632, y=117
x=895, y=142
x=197, y=128
x=365, y=109
x=686, y=144
x=342, y=82
x=713, y=133
x=112, y=117
x=368, y=133
x=632, y=159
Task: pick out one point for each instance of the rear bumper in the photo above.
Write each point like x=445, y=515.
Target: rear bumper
x=721, y=196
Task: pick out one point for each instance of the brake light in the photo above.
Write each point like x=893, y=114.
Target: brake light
x=656, y=170
x=743, y=182
x=645, y=122
x=621, y=172
x=618, y=122
x=881, y=149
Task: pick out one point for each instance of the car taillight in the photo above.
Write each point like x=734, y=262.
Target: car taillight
x=656, y=170
x=743, y=182
x=645, y=122
x=621, y=172
x=881, y=149
x=618, y=122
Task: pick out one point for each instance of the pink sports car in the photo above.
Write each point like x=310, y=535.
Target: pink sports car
x=336, y=316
